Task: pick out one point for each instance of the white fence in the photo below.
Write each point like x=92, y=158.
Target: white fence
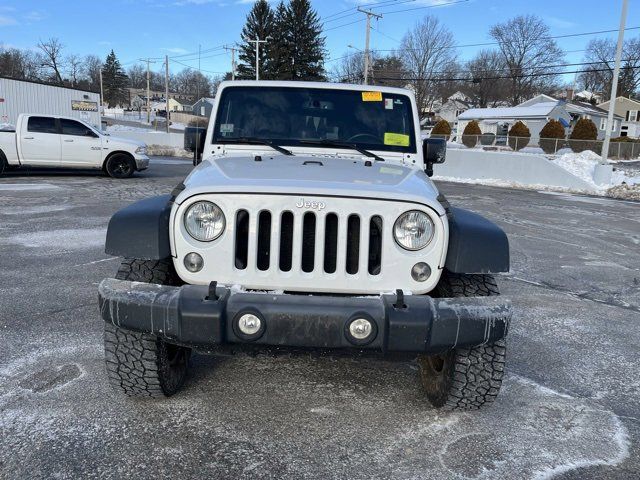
x=509, y=168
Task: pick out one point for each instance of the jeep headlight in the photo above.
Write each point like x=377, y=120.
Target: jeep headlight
x=413, y=230
x=204, y=221
x=141, y=150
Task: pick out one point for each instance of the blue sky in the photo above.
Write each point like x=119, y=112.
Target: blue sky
x=153, y=28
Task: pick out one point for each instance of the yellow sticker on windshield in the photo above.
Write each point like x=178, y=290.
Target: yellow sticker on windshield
x=396, y=139
x=371, y=96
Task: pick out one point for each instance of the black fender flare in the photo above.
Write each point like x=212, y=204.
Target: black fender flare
x=476, y=245
x=141, y=230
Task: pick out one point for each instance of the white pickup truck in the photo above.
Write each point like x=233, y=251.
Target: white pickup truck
x=54, y=141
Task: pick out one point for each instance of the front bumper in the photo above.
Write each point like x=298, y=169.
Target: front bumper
x=414, y=324
x=142, y=162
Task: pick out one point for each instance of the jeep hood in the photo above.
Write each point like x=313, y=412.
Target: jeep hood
x=311, y=176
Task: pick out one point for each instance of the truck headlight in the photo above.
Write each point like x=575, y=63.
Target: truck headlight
x=413, y=230
x=141, y=150
x=204, y=221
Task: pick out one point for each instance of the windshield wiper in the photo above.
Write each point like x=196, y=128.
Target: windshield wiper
x=257, y=141
x=335, y=143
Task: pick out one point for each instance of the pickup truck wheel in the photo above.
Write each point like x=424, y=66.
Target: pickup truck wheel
x=120, y=165
x=3, y=163
x=142, y=364
x=464, y=378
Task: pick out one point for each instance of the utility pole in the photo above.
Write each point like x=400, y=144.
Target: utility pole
x=101, y=92
x=614, y=84
x=233, y=61
x=148, y=60
x=369, y=14
x=257, y=41
x=166, y=87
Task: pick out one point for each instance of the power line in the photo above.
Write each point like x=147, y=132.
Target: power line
x=482, y=44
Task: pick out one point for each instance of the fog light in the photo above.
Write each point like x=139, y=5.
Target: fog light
x=421, y=272
x=193, y=262
x=249, y=324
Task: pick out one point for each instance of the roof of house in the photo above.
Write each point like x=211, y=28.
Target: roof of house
x=541, y=109
x=585, y=108
x=601, y=105
x=537, y=99
x=205, y=99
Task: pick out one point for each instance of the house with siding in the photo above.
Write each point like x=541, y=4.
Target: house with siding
x=203, y=107
x=499, y=120
x=629, y=110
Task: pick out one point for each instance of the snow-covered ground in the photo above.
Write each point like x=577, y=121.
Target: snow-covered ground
x=583, y=166
x=125, y=128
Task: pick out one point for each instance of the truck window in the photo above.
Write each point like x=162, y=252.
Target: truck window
x=71, y=127
x=42, y=125
x=292, y=115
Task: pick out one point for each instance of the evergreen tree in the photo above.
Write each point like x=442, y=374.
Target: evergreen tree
x=278, y=48
x=114, y=81
x=260, y=24
x=304, y=43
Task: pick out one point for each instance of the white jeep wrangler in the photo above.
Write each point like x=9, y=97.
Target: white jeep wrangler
x=311, y=224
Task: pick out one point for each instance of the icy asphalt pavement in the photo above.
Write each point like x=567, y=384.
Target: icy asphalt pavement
x=570, y=405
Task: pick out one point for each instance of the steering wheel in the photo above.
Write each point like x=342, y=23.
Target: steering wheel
x=368, y=135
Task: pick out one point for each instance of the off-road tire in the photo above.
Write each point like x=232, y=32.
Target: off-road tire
x=142, y=364
x=120, y=165
x=464, y=378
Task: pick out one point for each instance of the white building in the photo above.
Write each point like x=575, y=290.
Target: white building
x=499, y=120
x=20, y=96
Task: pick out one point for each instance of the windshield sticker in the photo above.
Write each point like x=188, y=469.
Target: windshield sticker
x=371, y=96
x=396, y=139
x=226, y=128
x=391, y=171
x=388, y=103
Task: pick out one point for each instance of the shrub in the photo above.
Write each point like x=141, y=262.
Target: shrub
x=442, y=128
x=551, y=135
x=519, y=136
x=584, y=131
x=471, y=134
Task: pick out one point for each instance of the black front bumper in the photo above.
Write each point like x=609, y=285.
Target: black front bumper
x=414, y=324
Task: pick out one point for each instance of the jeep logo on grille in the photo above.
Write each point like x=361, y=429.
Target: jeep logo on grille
x=311, y=204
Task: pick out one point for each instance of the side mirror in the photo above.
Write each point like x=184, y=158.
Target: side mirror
x=434, y=150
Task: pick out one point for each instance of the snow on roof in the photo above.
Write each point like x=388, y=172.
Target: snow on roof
x=541, y=109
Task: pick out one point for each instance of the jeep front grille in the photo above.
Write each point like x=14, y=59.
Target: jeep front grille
x=309, y=241
x=342, y=245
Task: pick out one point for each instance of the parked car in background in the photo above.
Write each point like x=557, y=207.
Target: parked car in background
x=54, y=141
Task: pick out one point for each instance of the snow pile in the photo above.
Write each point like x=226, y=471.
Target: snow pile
x=583, y=166
x=125, y=128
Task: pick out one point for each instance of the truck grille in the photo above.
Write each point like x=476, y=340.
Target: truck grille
x=309, y=242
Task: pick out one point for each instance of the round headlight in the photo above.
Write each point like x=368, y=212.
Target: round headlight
x=204, y=221
x=413, y=230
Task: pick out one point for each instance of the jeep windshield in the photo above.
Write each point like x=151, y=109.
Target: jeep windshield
x=319, y=117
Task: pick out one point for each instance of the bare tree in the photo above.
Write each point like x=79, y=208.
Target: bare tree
x=350, y=68
x=75, y=69
x=137, y=74
x=450, y=80
x=52, y=57
x=485, y=86
x=528, y=53
x=427, y=50
x=92, y=66
x=598, y=77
